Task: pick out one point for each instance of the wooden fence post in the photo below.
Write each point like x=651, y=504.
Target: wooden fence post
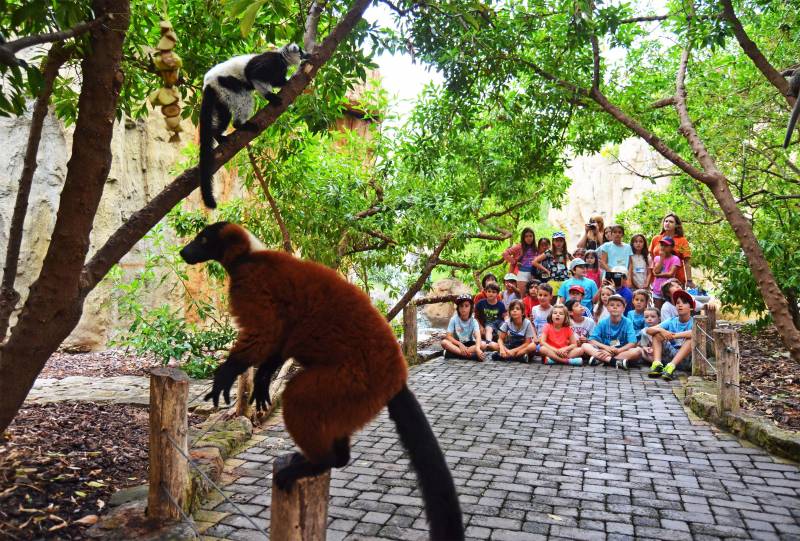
x=699, y=365
x=243, y=394
x=302, y=513
x=410, y=332
x=711, y=324
x=726, y=343
x=169, y=471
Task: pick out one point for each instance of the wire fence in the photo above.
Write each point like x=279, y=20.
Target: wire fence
x=195, y=467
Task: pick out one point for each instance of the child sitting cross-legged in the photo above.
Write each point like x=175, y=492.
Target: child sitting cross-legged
x=672, y=339
x=516, y=335
x=581, y=325
x=463, y=339
x=490, y=313
x=641, y=300
x=645, y=343
x=558, y=344
x=613, y=341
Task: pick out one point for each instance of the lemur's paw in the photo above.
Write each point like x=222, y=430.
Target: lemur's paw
x=224, y=377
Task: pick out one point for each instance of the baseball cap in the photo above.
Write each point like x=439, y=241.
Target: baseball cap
x=669, y=241
x=510, y=276
x=577, y=288
x=681, y=294
x=575, y=262
x=559, y=235
x=616, y=297
x=619, y=269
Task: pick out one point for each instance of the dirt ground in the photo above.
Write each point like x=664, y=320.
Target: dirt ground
x=769, y=379
x=112, y=362
x=60, y=463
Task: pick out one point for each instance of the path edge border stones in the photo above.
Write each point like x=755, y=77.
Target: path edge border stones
x=701, y=398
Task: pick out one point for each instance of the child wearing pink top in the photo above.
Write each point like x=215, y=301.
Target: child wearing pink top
x=665, y=266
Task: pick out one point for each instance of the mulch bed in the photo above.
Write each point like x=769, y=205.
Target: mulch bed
x=61, y=462
x=112, y=362
x=769, y=378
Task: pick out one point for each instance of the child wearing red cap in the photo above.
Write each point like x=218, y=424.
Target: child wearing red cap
x=672, y=339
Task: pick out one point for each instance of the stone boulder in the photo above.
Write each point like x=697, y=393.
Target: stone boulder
x=439, y=314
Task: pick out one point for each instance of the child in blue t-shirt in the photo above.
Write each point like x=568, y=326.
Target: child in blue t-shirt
x=641, y=300
x=672, y=339
x=490, y=313
x=463, y=339
x=613, y=341
x=645, y=343
x=578, y=268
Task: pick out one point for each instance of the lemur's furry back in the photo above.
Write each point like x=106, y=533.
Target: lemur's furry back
x=353, y=366
x=228, y=95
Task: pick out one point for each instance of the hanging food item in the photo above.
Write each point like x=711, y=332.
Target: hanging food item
x=168, y=64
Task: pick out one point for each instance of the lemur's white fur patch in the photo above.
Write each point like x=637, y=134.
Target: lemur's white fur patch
x=255, y=244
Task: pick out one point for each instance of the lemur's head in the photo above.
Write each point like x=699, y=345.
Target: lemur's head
x=293, y=54
x=223, y=241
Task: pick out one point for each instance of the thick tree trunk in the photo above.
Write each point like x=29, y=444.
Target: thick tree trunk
x=8, y=295
x=767, y=285
x=55, y=301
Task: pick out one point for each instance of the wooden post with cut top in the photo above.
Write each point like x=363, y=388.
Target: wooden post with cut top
x=169, y=471
x=726, y=343
x=410, y=332
x=711, y=324
x=301, y=514
x=699, y=328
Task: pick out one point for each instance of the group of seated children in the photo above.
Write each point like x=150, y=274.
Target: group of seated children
x=623, y=329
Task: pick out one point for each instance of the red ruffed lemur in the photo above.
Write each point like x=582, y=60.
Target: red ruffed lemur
x=352, y=364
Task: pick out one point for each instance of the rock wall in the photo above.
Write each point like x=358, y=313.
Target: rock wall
x=605, y=185
x=143, y=162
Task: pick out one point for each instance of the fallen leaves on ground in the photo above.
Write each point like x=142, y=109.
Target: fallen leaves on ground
x=769, y=378
x=112, y=362
x=61, y=462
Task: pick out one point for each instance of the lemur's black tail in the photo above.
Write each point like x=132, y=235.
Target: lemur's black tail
x=207, y=145
x=792, y=122
x=438, y=490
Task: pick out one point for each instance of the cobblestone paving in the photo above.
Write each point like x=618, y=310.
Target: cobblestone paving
x=544, y=452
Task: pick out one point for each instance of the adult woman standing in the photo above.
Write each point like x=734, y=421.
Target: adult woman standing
x=520, y=259
x=671, y=226
x=592, y=237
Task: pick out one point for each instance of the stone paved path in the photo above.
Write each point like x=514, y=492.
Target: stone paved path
x=538, y=452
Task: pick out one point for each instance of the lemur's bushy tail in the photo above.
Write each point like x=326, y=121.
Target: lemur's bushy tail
x=792, y=121
x=438, y=490
x=207, y=145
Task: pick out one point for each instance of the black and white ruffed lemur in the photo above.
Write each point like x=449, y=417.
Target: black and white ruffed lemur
x=228, y=95
x=794, y=90
x=352, y=364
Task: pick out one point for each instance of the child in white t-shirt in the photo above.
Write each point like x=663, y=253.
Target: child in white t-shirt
x=463, y=339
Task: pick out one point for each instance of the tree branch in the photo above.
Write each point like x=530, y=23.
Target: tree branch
x=644, y=19
x=456, y=264
x=489, y=236
x=367, y=248
x=17, y=45
x=663, y=102
x=273, y=205
x=687, y=126
x=146, y=218
x=512, y=208
x=751, y=49
x=430, y=264
x=312, y=24
x=9, y=297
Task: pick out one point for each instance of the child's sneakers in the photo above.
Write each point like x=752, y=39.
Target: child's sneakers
x=548, y=360
x=667, y=374
x=655, y=369
x=622, y=364
x=593, y=361
x=576, y=361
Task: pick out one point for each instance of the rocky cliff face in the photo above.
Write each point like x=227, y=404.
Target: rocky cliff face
x=604, y=184
x=142, y=164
